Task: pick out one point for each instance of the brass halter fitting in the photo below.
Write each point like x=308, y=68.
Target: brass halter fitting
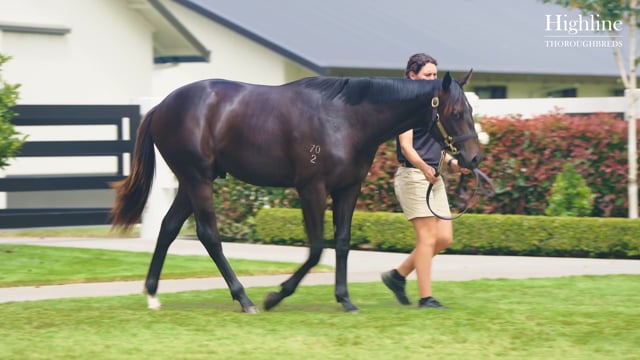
x=448, y=140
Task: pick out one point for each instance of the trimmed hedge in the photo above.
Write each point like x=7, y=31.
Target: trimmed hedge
x=473, y=234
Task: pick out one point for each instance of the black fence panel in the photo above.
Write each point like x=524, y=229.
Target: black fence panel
x=54, y=115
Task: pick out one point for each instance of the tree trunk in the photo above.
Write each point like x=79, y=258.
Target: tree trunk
x=631, y=116
x=633, y=94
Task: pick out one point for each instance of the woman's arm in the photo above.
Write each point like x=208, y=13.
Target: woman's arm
x=412, y=156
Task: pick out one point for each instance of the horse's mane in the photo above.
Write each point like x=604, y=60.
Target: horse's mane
x=375, y=90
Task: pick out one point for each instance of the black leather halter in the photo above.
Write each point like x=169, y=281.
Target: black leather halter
x=449, y=141
x=450, y=145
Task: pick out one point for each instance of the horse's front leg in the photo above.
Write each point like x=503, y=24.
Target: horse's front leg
x=313, y=199
x=344, y=202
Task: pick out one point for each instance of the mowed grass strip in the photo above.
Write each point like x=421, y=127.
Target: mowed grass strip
x=22, y=265
x=92, y=231
x=585, y=317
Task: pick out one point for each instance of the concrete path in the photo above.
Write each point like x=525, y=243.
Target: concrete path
x=364, y=266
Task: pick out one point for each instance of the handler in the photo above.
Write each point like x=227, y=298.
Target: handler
x=419, y=155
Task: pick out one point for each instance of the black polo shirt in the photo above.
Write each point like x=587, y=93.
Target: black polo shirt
x=427, y=147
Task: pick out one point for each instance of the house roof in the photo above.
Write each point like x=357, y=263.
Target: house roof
x=172, y=42
x=493, y=36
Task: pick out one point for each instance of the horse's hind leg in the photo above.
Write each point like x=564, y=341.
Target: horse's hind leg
x=313, y=200
x=207, y=231
x=172, y=222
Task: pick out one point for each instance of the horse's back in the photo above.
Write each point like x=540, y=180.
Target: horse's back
x=244, y=129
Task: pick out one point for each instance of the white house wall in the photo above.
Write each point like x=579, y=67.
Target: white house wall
x=233, y=57
x=106, y=58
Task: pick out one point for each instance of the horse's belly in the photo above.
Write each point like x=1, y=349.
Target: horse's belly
x=262, y=173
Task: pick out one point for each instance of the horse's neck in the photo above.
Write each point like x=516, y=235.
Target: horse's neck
x=390, y=120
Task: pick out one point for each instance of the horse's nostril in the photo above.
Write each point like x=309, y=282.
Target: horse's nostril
x=475, y=161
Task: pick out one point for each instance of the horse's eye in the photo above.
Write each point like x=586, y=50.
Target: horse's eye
x=457, y=115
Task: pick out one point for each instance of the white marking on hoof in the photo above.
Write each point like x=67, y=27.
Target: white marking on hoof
x=153, y=303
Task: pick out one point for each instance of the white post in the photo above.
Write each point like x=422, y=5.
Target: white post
x=474, y=101
x=161, y=196
x=163, y=189
x=632, y=96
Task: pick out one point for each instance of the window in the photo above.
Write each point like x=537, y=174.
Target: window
x=491, y=92
x=569, y=92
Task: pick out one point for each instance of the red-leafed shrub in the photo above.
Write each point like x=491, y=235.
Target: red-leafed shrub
x=523, y=157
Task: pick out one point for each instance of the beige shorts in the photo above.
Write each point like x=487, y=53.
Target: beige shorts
x=411, y=186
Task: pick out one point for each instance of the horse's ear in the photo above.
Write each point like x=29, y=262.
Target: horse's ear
x=465, y=79
x=446, y=82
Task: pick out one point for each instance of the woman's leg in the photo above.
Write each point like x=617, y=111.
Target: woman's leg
x=444, y=237
x=426, y=239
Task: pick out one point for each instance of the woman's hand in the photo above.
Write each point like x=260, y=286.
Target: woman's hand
x=430, y=174
x=455, y=167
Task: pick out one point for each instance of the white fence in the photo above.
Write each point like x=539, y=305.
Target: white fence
x=528, y=108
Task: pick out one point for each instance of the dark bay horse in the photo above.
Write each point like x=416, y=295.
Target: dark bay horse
x=319, y=135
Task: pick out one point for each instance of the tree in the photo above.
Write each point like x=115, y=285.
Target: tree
x=10, y=139
x=626, y=11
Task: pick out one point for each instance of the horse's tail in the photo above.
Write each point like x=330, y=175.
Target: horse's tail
x=132, y=192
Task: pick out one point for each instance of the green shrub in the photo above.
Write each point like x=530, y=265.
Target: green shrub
x=10, y=141
x=473, y=234
x=570, y=195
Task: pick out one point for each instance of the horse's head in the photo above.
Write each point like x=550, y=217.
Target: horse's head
x=454, y=122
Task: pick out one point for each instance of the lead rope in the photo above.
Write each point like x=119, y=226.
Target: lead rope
x=475, y=191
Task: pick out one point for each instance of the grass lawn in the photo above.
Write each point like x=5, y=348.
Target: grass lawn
x=586, y=317
x=580, y=317
x=98, y=231
x=22, y=265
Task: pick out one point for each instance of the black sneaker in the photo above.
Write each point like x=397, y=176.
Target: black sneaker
x=396, y=286
x=430, y=302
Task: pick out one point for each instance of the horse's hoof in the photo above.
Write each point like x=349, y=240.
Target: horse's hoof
x=271, y=300
x=252, y=309
x=350, y=308
x=153, y=303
